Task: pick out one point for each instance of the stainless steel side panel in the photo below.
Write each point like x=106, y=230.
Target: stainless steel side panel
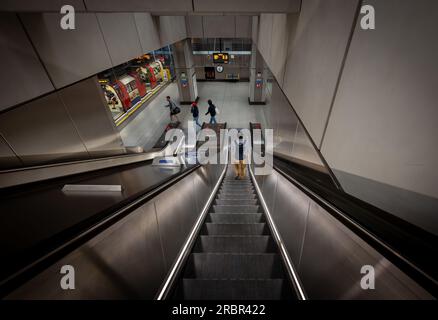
x=130, y=259
x=332, y=260
x=290, y=216
x=329, y=256
x=202, y=188
x=176, y=212
x=123, y=262
x=268, y=190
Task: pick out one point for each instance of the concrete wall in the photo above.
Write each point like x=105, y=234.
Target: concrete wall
x=38, y=57
x=273, y=38
x=117, y=26
x=239, y=65
x=315, y=59
x=382, y=132
x=23, y=76
x=162, y=7
x=244, y=6
x=212, y=26
x=367, y=98
x=171, y=29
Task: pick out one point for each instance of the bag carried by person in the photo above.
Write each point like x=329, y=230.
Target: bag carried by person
x=174, y=109
x=216, y=109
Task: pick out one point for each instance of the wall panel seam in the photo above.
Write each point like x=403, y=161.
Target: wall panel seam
x=36, y=51
x=138, y=33
x=341, y=70
x=2, y=137
x=161, y=239
x=104, y=40
x=73, y=123
x=304, y=236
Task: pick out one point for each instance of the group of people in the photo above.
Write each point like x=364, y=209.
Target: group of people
x=240, y=145
x=174, y=110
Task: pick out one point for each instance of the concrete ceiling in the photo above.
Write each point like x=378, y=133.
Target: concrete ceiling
x=158, y=7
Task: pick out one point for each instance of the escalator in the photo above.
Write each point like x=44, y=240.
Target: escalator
x=189, y=233
x=235, y=255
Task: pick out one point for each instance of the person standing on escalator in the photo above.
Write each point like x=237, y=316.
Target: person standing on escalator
x=240, y=166
x=211, y=111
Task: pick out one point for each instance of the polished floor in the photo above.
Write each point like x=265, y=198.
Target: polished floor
x=231, y=99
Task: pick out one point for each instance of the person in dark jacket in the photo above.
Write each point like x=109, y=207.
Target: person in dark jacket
x=211, y=111
x=195, y=112
x=240, y=156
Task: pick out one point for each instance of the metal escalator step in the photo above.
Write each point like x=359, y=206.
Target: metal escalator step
x=236, y=196
x=237, y=183
x=240, y=187
x=234, y=190
x=236, y=208
x=234, y=266
x=235, y=244
x=266, y=289
x=237, y=187
x=235, y=218
x=248, y=202
x=237, y=193
x=244, y=229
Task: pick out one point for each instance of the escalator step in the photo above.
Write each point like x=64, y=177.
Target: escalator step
x=237, y=183
x=236, y=202
x=234, y=266
x=238, y=195
x=236, y=209
x=235, y=218
x=237, y=188
x=243, y=229
x=235, y=244
x=267, y=289
x=235, y=195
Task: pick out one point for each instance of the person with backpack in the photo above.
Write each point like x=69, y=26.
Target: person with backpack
x=211, y=111
x=174, y=109
x=240, y=155
x=195, y=113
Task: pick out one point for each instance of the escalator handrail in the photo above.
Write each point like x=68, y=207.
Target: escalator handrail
x=18, y=278
x=25, y=175
x=175, y=271
x=291, y=270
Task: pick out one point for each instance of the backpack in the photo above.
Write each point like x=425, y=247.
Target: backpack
x=174, y=109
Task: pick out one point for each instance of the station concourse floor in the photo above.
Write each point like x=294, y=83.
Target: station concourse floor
x=230, y=97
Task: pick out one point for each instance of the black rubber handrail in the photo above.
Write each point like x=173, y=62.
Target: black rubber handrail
x=407, y=246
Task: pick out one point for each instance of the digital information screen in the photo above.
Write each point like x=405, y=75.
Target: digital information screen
x=220, y=57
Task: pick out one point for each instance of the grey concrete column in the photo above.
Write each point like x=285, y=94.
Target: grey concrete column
x=185, y=71
x=257, y=78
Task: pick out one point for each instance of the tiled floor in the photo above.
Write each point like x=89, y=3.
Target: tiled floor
x=231, y=99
